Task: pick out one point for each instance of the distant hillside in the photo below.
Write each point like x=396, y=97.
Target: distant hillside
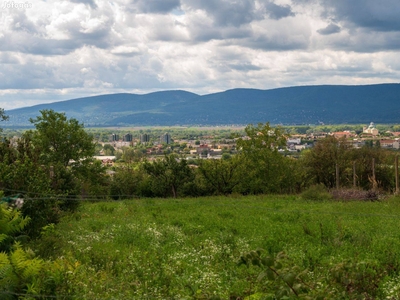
x=331, y=104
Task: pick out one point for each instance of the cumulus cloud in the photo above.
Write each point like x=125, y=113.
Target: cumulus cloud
x=155, y=6
x=376, y=15
x=227, y=12
x=91, y=3
x=65, y=49
x=277, y=12
x=330, y=29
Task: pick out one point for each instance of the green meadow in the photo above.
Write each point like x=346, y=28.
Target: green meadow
x=218, y=248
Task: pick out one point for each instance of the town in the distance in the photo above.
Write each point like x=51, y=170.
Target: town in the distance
x=216, y=143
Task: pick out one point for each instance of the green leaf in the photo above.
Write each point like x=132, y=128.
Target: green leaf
x=289, y=278
x=267, y=261
x=270, y=274
x=278, y=265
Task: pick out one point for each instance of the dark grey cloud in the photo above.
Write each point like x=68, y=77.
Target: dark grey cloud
x=277, y=12
x=23, y=35
x=90, y=3
x=382, y=15
x=244, y=67
x=37, y=45
x=204, y=33
x=26, y=43
x=155, y=6
x=330, y=29
x=369, y=42
x=278, y=43
x=228, y=12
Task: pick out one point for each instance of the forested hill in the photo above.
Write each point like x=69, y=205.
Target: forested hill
x=330, y=104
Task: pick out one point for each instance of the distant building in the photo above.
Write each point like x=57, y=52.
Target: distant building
x=114, y=137
x=144, y=138
x=343, y=134
x=165, y=138
x=203, y=150
x=296, y=141
x=128, y=137
x=392, y=144
x=371, y=129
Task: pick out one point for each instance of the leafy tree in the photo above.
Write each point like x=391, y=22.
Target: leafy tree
x=3, y=116
x=222, y=175
x=264, y=164
x=60, y=139
x=320, y=162
x=132, y=155
x=130, y=181
x=108, y=149
x=169, y=173
x=67, y=150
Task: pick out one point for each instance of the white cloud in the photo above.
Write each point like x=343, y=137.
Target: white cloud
x=64, y=49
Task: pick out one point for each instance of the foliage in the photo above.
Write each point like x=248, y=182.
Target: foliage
x=317, y=192
x=92, y=180
x=3, y=116
x=189, y=248
x=265, y=166
x=131, y=155
x=60, y=139
x=321, y=161
x=19, y=272
x=169, y=174
x=130, y=181
x=222, y=176
x=12, y=223
x=320, y=165
x=283, y=279
x=108, y=149
x=18, y=267
x=52, y=167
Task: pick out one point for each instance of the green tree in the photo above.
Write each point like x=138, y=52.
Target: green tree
x=264, y=164
x=169, y=173
x=3, y=117
x=222, y=175
x=60, y=139
x=67, y=150
x=108, y=150
x=131, y=155
x=320, y=162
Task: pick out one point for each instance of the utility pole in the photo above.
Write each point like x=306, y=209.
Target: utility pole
x=396, y=167
x=337, y=176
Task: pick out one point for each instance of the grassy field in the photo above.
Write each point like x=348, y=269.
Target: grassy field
x=190, y=248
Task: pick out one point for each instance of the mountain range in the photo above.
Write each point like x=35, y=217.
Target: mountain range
x=329, y=104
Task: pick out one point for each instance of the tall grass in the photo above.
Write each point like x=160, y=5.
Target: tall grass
x=189, y=248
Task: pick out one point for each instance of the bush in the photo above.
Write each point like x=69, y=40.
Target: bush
x=316, y=192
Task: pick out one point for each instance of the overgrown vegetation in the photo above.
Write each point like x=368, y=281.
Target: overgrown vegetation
x=207, y=248
x=189, y=248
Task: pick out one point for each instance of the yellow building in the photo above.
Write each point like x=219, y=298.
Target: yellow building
x=371, y=129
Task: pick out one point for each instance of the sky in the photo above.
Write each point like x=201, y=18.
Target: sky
x=58, y=50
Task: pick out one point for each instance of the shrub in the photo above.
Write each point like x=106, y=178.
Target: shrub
x=316, y=192
x=11, y=225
